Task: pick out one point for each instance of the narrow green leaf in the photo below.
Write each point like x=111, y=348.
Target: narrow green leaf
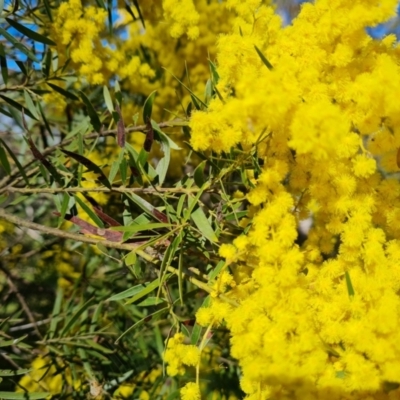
x=151, y=301
x=107, y=99
x=74, y=319
x=3, y=64
x=214, y=72
x=127, y=293
x=90, y=212
x=151, y=316
x=18, y=45
x=208, y=92
x=148, y=107
x=203, y=224
x=4, y=160
x=141, y=227
x=63, y=208
x=196, y=333
x=350, y=289
x=90, y=165
x=17, y=106
x=263, y=58
x=214, y=272
x=94, y=118
x=131, y=258
x=63, y=92
x=17, y=163
x=31, y=106
x=48, y=10
x=56, y=312
x=46, y=124
x=31, y=34
x=12, y=342
x=199, y=174
x=10, y=372
x=145, y=291
x=24, y=396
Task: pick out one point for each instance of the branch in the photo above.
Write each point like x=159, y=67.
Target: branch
x=75, y=236
x=149, y=190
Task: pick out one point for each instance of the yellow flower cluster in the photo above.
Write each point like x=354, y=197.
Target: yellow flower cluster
x=79, y=28
x=318, y=320
x=178, y=354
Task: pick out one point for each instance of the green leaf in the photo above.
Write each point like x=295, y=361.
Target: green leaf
x=151, y=301
x=23, y=396
x=89, y=211
x=63, y=92
x=199, y=174
x=350, y=289
x=214, y=272
x=12, y=342
x=131, y=258
x=10, y=372
x=74, y=319
x=153, y=315
x=107, y=99
x=63, y=208
x=94, y=118
x=17, y=163
x=48, y=10
x=203, y=224
x=18, y=45
x=196, y=333
x=214, y=72
x=4, y=160
x=141, y=227
x=145, y=291
x=90, y=165
x=263, y=58
x=31, y=106
x=31, y=34
x=148, y=107
x=127, y=293
x=17, y=105
x=208, y=92
x=56, y=312
x=3, y=64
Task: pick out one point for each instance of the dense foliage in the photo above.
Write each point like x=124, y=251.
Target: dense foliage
x=158, y=162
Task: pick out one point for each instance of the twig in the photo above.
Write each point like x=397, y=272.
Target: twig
x=22, y=301
x=75, y=236
x=149, y=190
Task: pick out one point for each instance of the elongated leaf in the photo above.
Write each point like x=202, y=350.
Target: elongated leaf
x=31, y=106
x=10, y=372
x=31, y=34
x=146, y=290
x=147, y=318
x=203, y=224
x=147, y=207
x=141, y=227
x=4, y=160
x=120, y=128
x=17, y=105
x=196, y=333
x=12, y=342
x=18, y=45
x=17, y=163
x=127, y=293
x=350, y=288
x=107, y=99
x=94, y=118
x=23, y=396
x=131, y=258
x=199, y=174
x=3, y=64
x=90, y=165
x=89, y=212
x=45, y=162
x=151, y=301
x=63, y=92
x=74, y=319
x=263, y=58
x=214, y=72
x=148, y=107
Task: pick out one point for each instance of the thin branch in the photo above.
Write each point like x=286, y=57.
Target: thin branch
x=22, y=301
x=75, y=236
x=149, y=190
